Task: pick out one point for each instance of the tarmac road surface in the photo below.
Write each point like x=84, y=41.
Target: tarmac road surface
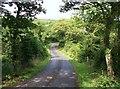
x=58, y=73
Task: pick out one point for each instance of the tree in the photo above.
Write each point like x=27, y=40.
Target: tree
x=24, y=13
x=106, y=13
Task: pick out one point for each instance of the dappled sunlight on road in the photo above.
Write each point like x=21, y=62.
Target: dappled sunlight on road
x=37, y=80
x=58, y=73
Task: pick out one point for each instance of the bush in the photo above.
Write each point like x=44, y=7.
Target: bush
x=105, y=81
x=7, y=67
x=30, y=48
x=116, y=60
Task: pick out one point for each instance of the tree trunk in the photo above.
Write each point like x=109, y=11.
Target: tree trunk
x=109, y=63
x=108, y=55
x=118, y=39
x=13, y=47
x=14, y=38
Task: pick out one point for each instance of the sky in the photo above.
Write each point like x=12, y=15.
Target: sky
x=53, y=8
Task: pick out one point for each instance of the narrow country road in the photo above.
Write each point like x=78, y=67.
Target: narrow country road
x=58, y=73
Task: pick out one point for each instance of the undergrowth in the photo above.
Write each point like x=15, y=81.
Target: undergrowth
x=25, y=74
x=88, y=77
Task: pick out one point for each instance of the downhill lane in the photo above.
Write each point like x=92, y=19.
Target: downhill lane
x=58, y=73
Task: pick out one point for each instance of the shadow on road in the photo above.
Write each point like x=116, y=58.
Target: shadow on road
x=58, y=73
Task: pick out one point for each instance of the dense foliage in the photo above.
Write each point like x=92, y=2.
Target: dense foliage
x=91, y=36
x=100, y=45
x=21, y=42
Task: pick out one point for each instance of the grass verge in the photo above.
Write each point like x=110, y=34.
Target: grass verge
x=87, y=77
x=25, y=74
